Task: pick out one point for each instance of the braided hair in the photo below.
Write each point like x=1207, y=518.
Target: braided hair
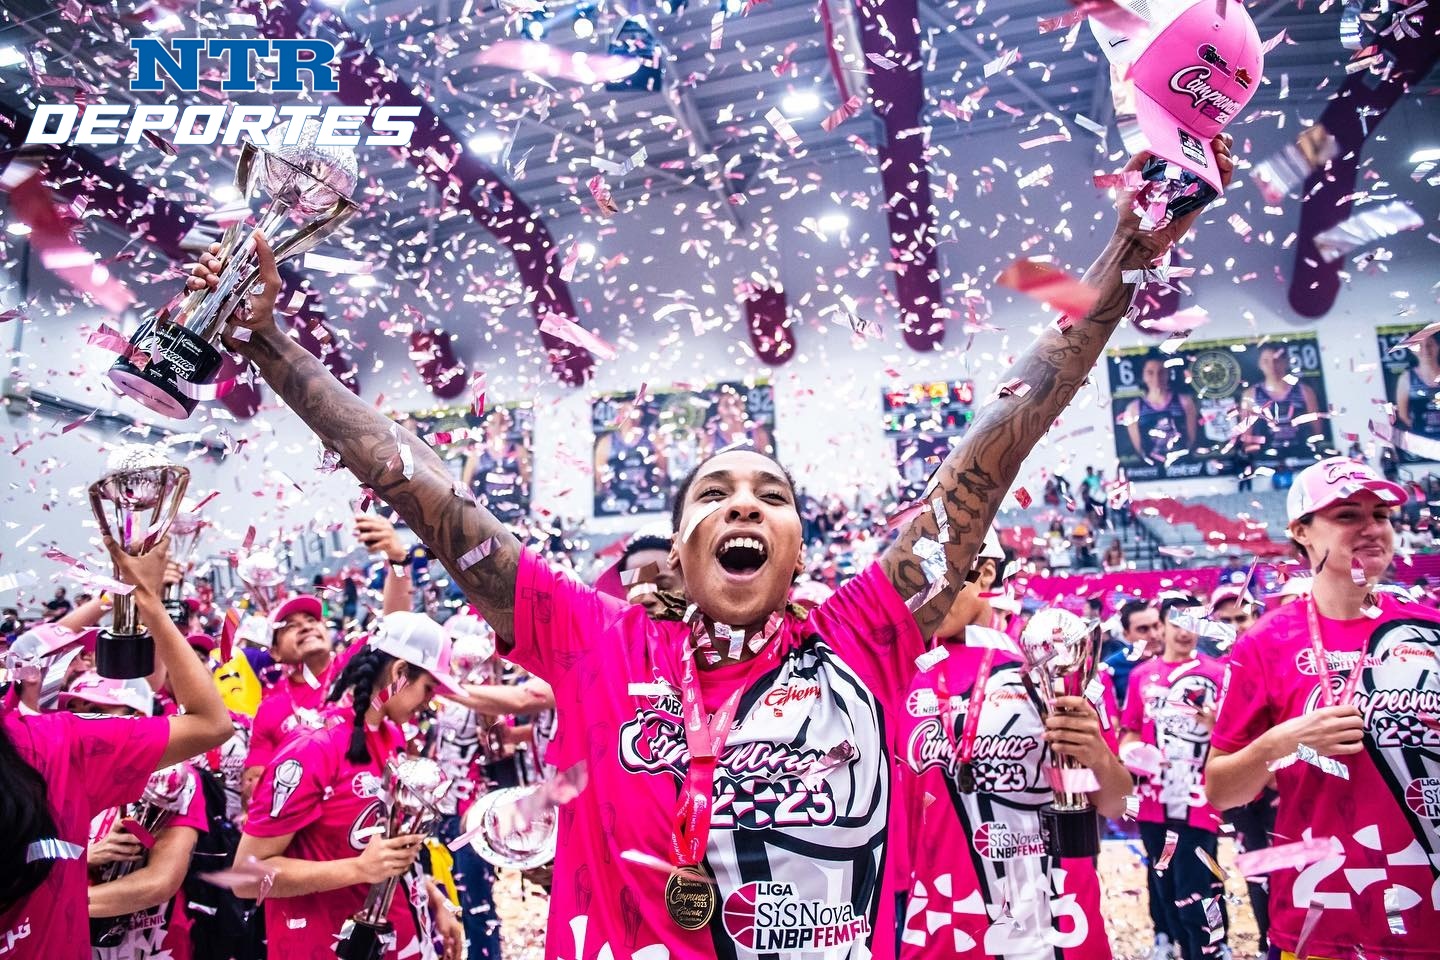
x=25, y=811
x=359, y=678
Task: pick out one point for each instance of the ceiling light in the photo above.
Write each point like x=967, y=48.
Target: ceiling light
x=1425, y=155
x=800, y=103
x=486, y=144
x=585, y=251
x=225, y=193
x=584, y=27
x=534, y=28
x=18, y=229
x=10, y=57
x=362, y=281
x=831, y=223
x=733, y=7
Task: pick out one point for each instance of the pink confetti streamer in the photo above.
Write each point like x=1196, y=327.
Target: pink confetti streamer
x=563, y=328
x=1256, y=863
x=1050, y=285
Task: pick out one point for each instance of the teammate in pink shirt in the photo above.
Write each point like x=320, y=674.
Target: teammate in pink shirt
x=313, y=816
x=1343, y=680
x=738, y=765
x=1170, y=709
x=981, y=881
x=60, y=770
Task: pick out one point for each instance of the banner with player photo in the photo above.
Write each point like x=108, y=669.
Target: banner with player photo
x=645, y=446
x=1219, y=407
x=489, y=454
x=1412, y=384
x=922, y=421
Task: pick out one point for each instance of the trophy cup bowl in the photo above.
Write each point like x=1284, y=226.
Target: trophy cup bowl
x=184, y=537
x=411, y=791
x=1062, y=653
x=134, y=503
x=308, y=186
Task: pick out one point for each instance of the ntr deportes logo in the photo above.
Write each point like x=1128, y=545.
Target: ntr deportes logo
x=179, y=65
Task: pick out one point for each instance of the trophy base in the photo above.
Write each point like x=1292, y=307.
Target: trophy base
x=1070, y=833
x=363, y=941
x=124, y=656
x=176, y=354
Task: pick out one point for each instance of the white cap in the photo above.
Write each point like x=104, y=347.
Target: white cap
x=420, y=642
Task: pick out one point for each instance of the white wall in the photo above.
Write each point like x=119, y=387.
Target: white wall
x=828, y=398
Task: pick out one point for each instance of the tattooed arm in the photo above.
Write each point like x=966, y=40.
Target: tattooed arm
x=369, y=445
x=980, y=469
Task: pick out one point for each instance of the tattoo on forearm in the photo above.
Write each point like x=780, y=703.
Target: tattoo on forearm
x=450, y=524
x=975, y=477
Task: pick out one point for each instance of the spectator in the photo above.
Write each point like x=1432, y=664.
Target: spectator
x=1140, y=626
x=58, y=605
x=1114, y=559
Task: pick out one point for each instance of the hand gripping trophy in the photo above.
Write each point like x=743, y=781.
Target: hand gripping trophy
x=308, y=184
x=134, y=503
x=1062, y=654
x=410, y=790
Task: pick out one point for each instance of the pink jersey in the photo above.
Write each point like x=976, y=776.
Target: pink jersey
x=163, y=932
x=89, y=763
x=1387, y=814
x=330, y=805
x=798, y=837
x=981, y=883
x=292, y=704
x=1172, y=706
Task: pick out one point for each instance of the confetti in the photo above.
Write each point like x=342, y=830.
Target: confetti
x=476, y=554
x=1050, y=285
x=930, y=658
x=783, y=129
x=1365, y=227
x=1287, y=856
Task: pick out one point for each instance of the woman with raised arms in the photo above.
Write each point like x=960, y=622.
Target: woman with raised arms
x=739, y=764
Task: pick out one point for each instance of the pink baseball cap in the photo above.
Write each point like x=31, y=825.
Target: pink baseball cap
x=300, y=603
x=1335, y=479
x=109, y=692
x=1194, y=78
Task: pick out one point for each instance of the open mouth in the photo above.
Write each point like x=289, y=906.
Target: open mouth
x=741, y=555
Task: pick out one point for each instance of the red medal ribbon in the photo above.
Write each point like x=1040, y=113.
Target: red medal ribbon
x=1322, y=663
x=691, y=828
x=966, y=751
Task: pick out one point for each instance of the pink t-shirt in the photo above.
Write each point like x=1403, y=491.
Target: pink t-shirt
x=163, y=932
x=292, y=704
x=89, y=763
x=314, y=792
x=981, y=883
x=1387, y=815
x=798, y=838
x=1172, y=706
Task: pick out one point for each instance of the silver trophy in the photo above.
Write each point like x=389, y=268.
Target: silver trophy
x=508, y=832
x=168, y=791
x=308, y=187
x=184, y=537
x=264, y=585
x=134, y=503
x=1062, y=654
x=410, y=790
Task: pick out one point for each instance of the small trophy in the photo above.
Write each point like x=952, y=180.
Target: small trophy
x=134, y=503
x=184, y=537
x=410, y=790
x=307, y=185
x=168, y=791
x=265, y=585
x=1062, y=654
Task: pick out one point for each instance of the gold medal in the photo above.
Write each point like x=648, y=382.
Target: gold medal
x=690, y=897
